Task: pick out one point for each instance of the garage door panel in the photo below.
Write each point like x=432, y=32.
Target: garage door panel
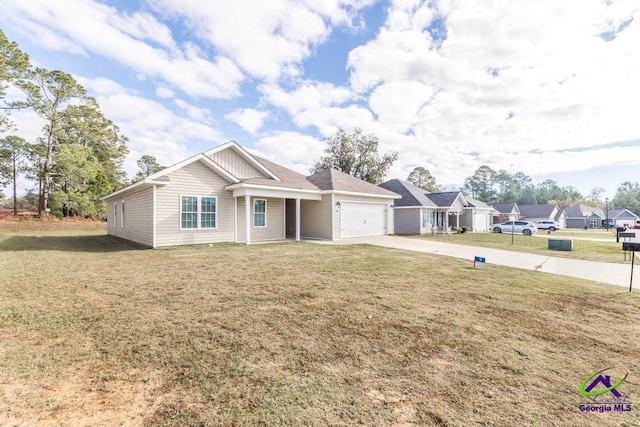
x=363, y=219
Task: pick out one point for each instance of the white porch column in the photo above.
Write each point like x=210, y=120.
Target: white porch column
x=457, y=219
x=446, y=221
x=297, y=220
x=247, y=218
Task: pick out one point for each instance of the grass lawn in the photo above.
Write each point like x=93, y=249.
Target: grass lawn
x=95, y=331
x=582, y=249
x=589, y=234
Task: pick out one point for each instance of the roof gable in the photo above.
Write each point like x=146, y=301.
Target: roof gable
x=239, y=162
x=506, y=208
x=580, y=211
x=447, y=199
x=159, y=178
x=412, y=195
x=538, y=211
x=621, y=213
x=334, y=180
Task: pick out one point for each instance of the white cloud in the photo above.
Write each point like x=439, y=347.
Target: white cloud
x=151, y=127
x=296, y=151
x=307, y=95
x=248, y=118
x=163, y=92
x=510, y=80
x=265, y=38
x=136, y=41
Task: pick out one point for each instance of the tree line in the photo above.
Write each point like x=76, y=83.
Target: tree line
x=80, y=154
x=356, y=153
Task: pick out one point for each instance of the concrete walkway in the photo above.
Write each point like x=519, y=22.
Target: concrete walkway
x=604, y=272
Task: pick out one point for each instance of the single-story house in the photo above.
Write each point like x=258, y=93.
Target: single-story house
x=478, y=215
x=535, y=213
x=418, y=211
x=621, y=218
x=583, y=216
x=505, y=212
x=229, y=195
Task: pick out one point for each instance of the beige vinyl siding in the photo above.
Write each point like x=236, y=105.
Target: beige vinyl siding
x=315, y=218
x=138, y=217
x=236, y=165
x=407, y=221
x=195, y=179
x=363, y=199
x=275, y=221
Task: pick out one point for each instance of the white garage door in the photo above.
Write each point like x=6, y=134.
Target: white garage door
x=482, y=222
x=363, y=219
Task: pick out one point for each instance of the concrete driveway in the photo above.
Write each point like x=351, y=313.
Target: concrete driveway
x=603, y=272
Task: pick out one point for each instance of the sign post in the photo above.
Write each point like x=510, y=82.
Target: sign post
x=633, y=247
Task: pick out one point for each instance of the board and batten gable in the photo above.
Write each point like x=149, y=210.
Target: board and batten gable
x=339, y=198
x=275, y=228
x=235, y=164
x=138, y=225
x=195, y=179
x=316, y=218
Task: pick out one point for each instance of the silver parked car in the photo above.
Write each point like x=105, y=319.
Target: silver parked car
x=548, y=225
x=525, y=227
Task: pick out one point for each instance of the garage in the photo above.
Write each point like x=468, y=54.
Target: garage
x=363, y=219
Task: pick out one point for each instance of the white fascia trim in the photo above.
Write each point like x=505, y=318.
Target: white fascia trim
x=415, y=207
x=355, y=193
x=237, y=190
x=275, y=193
x=137, y=186
x=243, y=153
x=153, y=178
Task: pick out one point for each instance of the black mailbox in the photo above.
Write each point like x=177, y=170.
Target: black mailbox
x=631, y=246
x=627, y=234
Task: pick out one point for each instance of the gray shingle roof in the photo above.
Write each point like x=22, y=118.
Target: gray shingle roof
x=443, y=200
x=412, y=195
x=504, y=208
x=580, y=211
x=536, y=211
x=288, y=178
x=475, y=203
x=615, y=212
x=333, y=179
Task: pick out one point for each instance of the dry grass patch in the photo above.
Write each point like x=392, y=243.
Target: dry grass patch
x=96, y=331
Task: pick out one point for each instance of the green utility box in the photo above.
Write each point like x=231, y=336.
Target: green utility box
x=560, y=244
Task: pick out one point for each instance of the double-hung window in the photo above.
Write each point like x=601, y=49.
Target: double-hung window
x=259, y=213
x=427, y=218
x=197, y=212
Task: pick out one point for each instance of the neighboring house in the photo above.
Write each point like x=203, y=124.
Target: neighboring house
x=478, y=216
x=419, y=211
x=583, y=216
x=535, y=213
x=228, y=195
x=505, y=212
x=621, y=218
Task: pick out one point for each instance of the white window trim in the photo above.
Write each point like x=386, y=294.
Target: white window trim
x=122, y=214
x=114, y=222
x=199, y=213
x=254, y=213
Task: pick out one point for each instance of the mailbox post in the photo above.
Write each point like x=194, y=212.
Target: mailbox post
x=633, y=247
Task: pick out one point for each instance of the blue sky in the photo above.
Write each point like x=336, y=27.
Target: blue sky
x=544, y=87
